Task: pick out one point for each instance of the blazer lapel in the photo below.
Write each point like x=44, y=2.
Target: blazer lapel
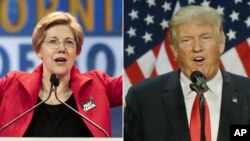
x=78, y=84
x=32, y=84
x=175, y=107
x=230, y=107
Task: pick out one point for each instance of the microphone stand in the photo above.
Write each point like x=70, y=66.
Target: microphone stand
x=200, y=92
x=68, y=106
x=26, y=112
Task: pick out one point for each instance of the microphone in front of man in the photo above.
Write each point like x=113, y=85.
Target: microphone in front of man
x=54, y=82
x=199, y=85
x=199, y=82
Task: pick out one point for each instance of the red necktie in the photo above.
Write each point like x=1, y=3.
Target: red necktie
x=195, y=122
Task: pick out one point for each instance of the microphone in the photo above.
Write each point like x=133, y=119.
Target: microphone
x=200, y=86
x=52, y=79
x=55, y=82
x=199, y=82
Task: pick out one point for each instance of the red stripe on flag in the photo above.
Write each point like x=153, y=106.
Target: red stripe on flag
x=170, y=54
x=134, y=73
x=156, y=50
x=154, y=73
x=244, y=54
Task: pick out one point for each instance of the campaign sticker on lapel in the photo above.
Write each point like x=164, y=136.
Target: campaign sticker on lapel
x=88, y=104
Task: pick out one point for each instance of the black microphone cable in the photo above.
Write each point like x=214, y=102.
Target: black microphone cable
x=56, y=83
x=32, y=108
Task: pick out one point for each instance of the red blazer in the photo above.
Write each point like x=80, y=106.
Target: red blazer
x=19, y=92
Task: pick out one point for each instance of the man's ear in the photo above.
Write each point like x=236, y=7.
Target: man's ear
x=174, y=51
x=222, y=45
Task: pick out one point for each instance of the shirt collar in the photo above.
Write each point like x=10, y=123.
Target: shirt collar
x=212, y=84
x=185, y=84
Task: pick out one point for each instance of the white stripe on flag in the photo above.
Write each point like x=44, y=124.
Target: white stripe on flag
x=232, y=62
x=248, y=41
x=162, y=62
x=146, y=63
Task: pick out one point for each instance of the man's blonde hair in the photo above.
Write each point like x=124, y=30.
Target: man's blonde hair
x=196, y=14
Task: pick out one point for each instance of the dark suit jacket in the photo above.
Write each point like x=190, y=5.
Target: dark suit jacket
x=155, y=108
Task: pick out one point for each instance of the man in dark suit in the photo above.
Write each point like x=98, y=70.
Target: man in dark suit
x=160, y=108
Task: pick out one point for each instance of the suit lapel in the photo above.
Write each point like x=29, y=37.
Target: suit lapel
x=230, y=107
x=175, y=107
x=176, y=112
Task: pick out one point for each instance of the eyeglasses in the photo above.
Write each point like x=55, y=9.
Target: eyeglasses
x=54, y=44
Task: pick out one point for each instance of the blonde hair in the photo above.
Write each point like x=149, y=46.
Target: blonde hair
x=57, y=18
x=196, y=14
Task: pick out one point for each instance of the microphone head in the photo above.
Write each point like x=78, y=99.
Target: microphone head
x=199, y=81
x=196, y=74
x=54, y=81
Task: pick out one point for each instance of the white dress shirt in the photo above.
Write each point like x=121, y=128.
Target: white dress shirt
x=213, y=98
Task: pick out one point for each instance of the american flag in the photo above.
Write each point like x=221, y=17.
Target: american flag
x=146, y=46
